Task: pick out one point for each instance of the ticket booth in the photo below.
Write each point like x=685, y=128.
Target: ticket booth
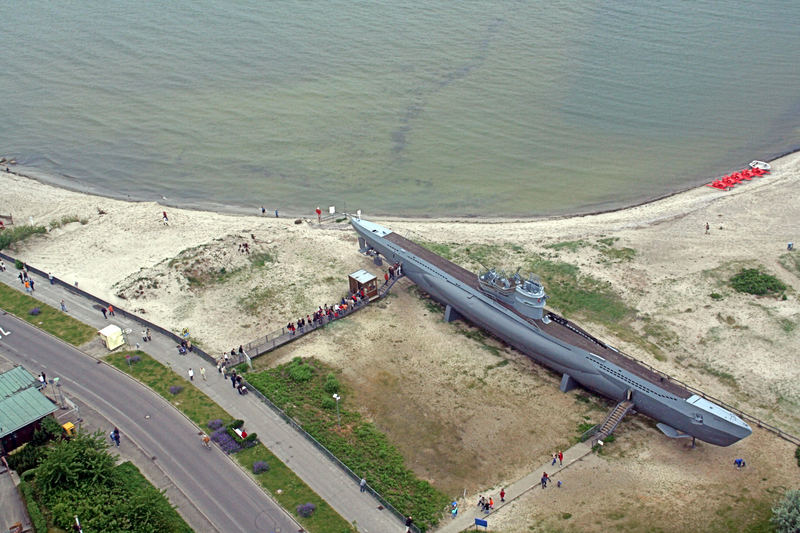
x=364, y=280
x=112, y=336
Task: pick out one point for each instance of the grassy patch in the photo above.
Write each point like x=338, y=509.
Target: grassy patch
x=14, y=234
x=255, y=300
x=49, y=319
x=293, y=491
x=66, y=219
x=716, y=296
x=571, y=246
x=262, y=259
x=200, y=409
x=754, y=281
x=439, y=249
x=791, y=262
x=190, y=400
x=303, y=388
x=724, y=377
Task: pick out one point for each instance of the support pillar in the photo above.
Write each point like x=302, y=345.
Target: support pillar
x=567, y=383
x=451, y=314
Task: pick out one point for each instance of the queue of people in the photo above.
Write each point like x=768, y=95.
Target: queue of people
x=328, y=313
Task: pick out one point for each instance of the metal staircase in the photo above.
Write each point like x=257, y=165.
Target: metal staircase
x=612, y=421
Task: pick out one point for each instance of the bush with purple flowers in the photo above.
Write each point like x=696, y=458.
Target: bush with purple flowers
x=175, y=389
x=260, y=466
x=215, y=424
x=35, y=311
x=306, y=509
x=225, y=441
x=135, y=359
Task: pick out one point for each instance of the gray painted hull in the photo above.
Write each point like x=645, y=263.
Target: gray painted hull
x=708, y=422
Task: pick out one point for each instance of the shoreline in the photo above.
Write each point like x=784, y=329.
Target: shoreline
x=63, y=183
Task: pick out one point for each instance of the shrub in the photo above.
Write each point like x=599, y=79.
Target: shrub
x=300, y=371
x=331, y=384
x=18, y=233
x=753, y=281
x=134, y=359
x=215, y=424
x=328, y=403
x=260, y=466
x=797, y=455
x=25, y=458
x=306, y=510
x=225, y=441
x=18, y=264
x=35, y=311
x=786, y=516
x=715, y=296
x=37, y=518
x=175, y=389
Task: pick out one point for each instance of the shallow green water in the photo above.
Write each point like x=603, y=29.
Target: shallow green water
x=431, y=108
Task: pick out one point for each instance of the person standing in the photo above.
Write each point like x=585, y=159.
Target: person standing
x=555, y=458
x=63, y=306
x=149, y=337
x=544, y=479
x=363, y=485
x=103, y=310
x=2, y=266
x=191, y=374
x=111, y=310
x=502, y=495
x=115, y=436
x=166, y=220
x=50, y=277
x=276, y=213
x=203, y=372
x=144, y=336
x=560, y=458
x=263, y=211
x=27, y=286
x=707, y=228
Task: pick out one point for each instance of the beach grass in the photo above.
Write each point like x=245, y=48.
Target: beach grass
x=49, y=319
x=14, y=234
x=279, y=481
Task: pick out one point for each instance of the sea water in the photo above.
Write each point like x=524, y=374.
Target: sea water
x=497, y=108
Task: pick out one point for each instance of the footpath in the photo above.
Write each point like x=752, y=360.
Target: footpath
x=308, y=462
x=527, y=486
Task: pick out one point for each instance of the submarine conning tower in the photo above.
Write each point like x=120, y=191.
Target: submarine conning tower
x=527, y=296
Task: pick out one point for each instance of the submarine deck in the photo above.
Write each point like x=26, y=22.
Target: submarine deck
x=559, y=327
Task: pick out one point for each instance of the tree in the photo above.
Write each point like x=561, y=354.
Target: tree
x=786, y=516
x=81, y=459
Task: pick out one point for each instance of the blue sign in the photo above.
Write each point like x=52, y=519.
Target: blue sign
x=480, y=522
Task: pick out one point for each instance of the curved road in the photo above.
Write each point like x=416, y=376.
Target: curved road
x=226, y=496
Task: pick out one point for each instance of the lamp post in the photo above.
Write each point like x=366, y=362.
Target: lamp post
x=338, y=418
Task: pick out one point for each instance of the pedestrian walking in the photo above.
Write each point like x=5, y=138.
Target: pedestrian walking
x=707, y=228
x=491, y=503
x=144, y=336
x=363, y=485
x=555, y=458
x=502, y=495
x=233, y=379
x=191, y=374
x=50, y=277
x=263, y=211
x=111, y=310
x=203, y=372
x=27, y=286
x=103, y=310
x=115, y=436
x=276, y=213
x=2, y=266
x=560, y=458
x=544, y=480
x=149, y=338
x=165, y=218
x=409, y=522
x=558, y=485
x=63, y=306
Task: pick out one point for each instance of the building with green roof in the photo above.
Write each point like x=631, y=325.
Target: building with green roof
x=22, y=406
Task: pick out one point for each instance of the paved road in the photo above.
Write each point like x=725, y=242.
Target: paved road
x=228, y=498
x=311, y=465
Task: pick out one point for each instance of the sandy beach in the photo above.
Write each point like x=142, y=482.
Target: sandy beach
x=740, y=348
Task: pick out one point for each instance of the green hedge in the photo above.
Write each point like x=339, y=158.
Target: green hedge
x=37, y=518
x=236, y=424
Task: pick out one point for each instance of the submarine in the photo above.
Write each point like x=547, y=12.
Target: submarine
x=512, y=308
